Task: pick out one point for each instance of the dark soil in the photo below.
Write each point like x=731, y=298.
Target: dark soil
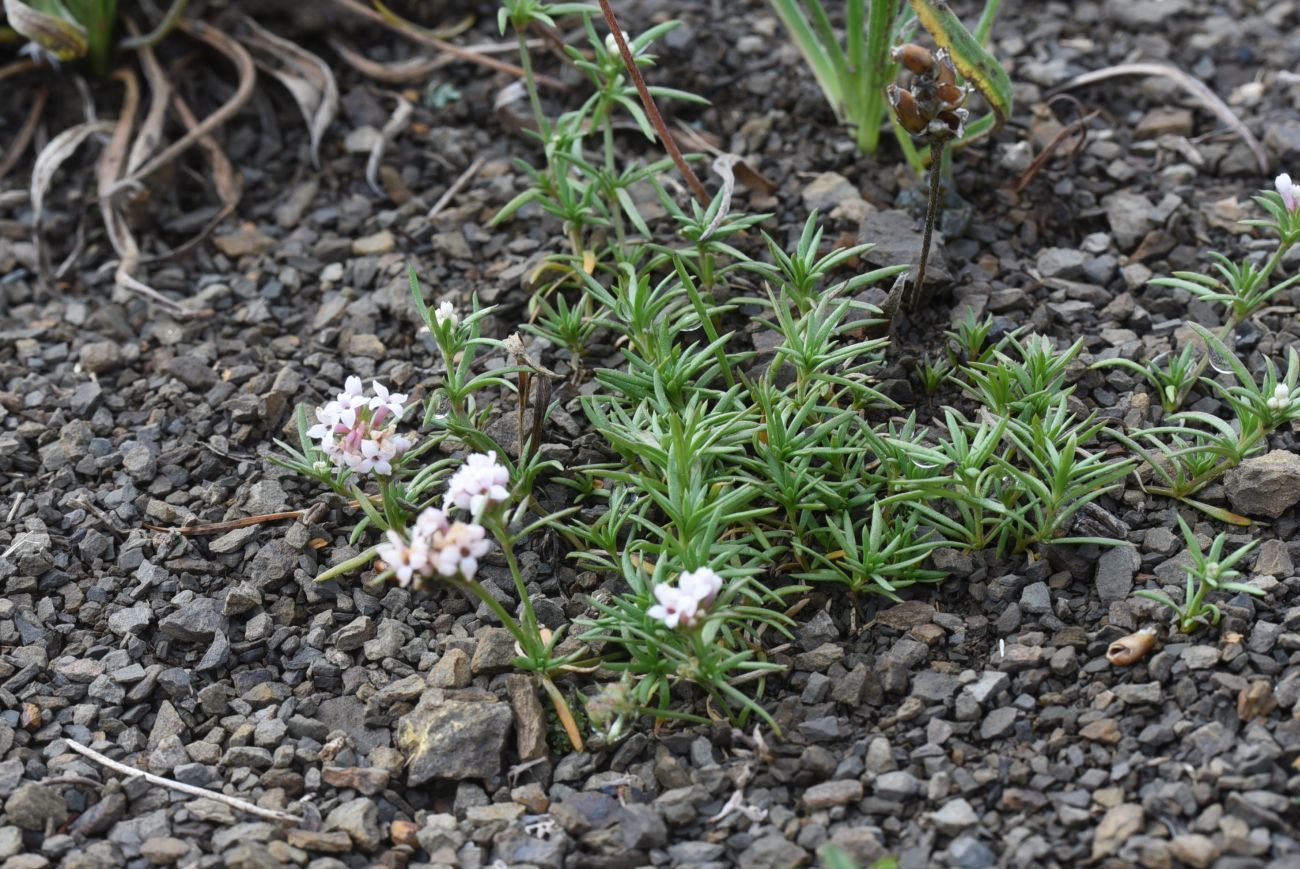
x=975, y=725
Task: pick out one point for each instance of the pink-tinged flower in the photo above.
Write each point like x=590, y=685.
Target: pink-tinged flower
x=478, y=483
x=358, y=432
x=457, y=550
x=676, y=607
x=431, y=523
x=392, y=402
x=407, y=560
x=1289, y=191
x=704, y=584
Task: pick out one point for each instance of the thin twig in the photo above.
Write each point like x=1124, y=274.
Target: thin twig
x=1078, y=125
x=456, y=187
x=1193, y=86
x=233, y=802
x=231, y=525
x=652, y=111
x=447, y=47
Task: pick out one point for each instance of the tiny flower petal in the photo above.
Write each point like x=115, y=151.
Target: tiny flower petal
x=446, y=313
x=1289, y=191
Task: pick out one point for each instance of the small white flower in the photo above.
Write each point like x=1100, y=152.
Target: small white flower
x=446, y=313
x=1289, y=191
x=394, y=402
x=478, y=483
x=406, y=559
x=676, y=606
x=1281, y=398
x=358, y=432
x=704, y=584
x=611, y=44
x=457, y=550
x=430, y=524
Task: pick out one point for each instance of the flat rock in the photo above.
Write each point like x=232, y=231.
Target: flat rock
x=897, y=237
x=452, y=739
x=195, y=622
x=1266, y=485
x=1116, y=827
x=832, y=793
x=1115, y=570
x=32, y=805
x=1129, y=215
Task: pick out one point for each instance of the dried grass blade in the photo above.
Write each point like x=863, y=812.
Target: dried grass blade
x=247, y=77
x=397, y=122
x=472, y=54
x=151, y=130
x=48, y=161
x=110, y=167
x=1193, y=86
x=415, y=69
x=25, y=133
x=225, y=179
x=323, y=106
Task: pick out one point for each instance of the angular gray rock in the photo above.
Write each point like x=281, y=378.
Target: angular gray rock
x=1266, y=485
x=195, y=622
x=1115, y=570
x=453, y=739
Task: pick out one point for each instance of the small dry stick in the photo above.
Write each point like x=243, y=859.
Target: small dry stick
x=931, y=218
x=454, y=190
x=651, y=110
x=233, y=802
x=470, y=54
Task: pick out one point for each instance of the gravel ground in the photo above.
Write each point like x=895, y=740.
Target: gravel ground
x=976, y=726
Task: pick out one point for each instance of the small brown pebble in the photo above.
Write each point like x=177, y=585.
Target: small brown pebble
x=403, y=833
x=1255, y=700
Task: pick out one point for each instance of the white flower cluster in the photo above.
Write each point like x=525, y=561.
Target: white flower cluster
x=1289, y=191
x=684, y=604
x=359, y=432
x=1281, y=398
x=478, y=483
x=445, y=313
x=440, y=546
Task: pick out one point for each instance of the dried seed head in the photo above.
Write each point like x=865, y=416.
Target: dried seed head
x=917, y=58
x=904, y=104
x=1131, y=649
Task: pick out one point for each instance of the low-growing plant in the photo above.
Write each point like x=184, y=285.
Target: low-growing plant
x=1241, y=289
x=1209, y=571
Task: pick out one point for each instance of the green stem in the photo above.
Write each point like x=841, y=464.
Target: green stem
x=356, y=562
x=706, y=320
x=153, y=37
x=531, y=642
x=498, y=610
x=1226, y=331
x=615, y=206
x=530, y=84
